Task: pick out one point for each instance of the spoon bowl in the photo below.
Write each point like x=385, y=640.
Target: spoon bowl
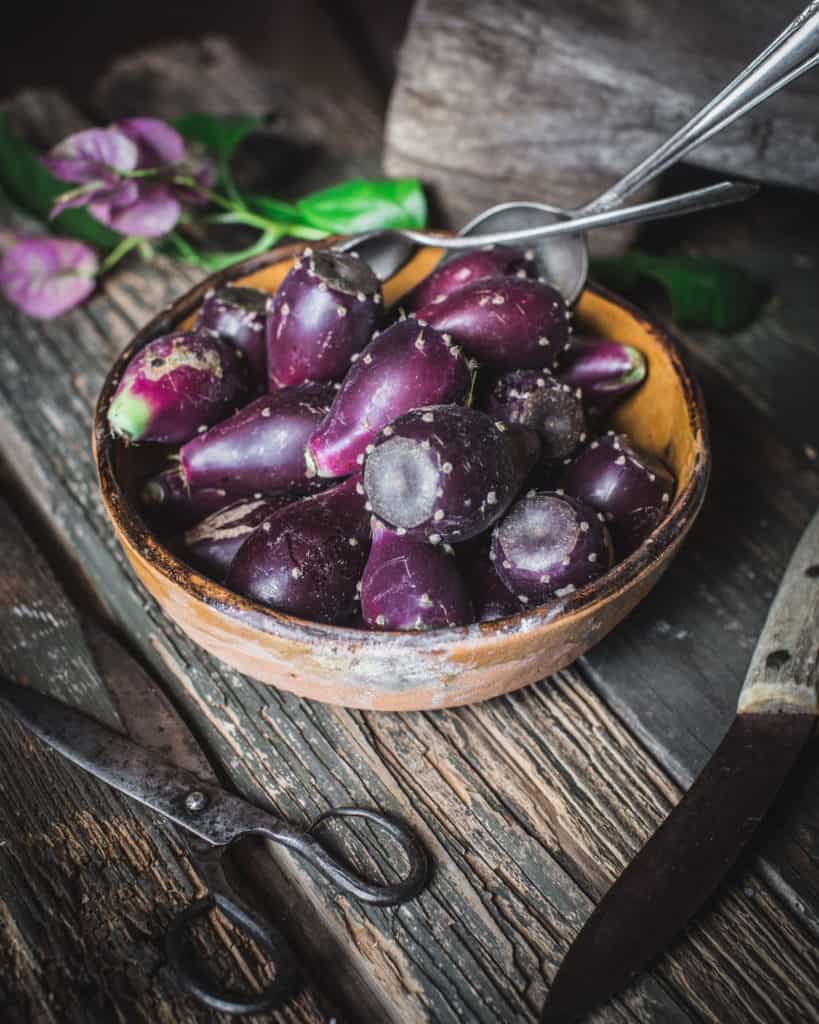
x=563, y=259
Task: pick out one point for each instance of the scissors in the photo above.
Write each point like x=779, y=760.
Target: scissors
x=163, y=767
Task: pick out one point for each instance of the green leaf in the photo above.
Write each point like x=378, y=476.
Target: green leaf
x=220, y=133
x=702, y=291
x=361, y=205
x=31, y=187
x=274, y=209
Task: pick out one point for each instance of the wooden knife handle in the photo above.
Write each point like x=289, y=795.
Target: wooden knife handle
x=784, y=671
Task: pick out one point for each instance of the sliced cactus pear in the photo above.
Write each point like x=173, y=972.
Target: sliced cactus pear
x=605, y=372
x=211, y=545
x=476, y=265
x=307, y=559
x=177, y=386
x=238, y=315
x=631, y=488
x=548, y=545
x=491, y=598
x=409, y=584
x=504, y=322
x=446, y=472
x=405, y=367
x=170, y=505
x=261, y=447
x=535, y=399
x=324, y=311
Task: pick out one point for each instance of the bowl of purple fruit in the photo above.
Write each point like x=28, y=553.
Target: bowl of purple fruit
x=406, y=495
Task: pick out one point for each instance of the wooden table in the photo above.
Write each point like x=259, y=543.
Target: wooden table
x=530, y=804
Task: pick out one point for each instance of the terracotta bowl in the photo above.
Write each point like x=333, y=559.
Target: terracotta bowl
x=402, y=671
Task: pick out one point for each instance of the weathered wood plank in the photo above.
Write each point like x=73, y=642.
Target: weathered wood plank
x=88, y=882
x=512, y=100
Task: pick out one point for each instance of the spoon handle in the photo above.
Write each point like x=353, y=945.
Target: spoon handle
x=791, y=54
x=670, y=206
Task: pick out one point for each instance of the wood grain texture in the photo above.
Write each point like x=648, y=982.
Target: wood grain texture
x=530, y=804
x=516, y=99
x=88, y=881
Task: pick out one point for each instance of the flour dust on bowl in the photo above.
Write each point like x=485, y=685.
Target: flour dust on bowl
x=385, y=669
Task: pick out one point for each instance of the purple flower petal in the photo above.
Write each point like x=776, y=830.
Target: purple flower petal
x=45, y=277
x=154, y=213
x=158, y=143
x=92, y=155
x=70, y=200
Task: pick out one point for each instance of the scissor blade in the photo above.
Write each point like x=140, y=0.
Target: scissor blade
x=681, y=865
x=138, y=772
x=146, y=713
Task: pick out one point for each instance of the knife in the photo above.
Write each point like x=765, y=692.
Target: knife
x=686, y=859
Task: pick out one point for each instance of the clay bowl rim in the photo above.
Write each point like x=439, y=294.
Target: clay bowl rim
x=131, y=528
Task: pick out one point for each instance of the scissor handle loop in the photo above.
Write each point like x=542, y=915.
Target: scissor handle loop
x=198, y=982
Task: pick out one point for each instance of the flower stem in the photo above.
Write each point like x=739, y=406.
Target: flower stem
x=121, y=250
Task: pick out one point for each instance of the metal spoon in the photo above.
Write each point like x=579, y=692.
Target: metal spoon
x=564, y=260
x=384, y=252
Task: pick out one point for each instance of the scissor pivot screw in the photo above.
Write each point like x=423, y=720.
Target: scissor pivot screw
x=196, y=801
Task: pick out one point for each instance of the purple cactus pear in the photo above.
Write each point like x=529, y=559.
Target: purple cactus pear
x=535, y=399
x=605, y=372
x=409, y=584
x=307, y=559
x=178, y=386
x=491, y=598
x=475, y=265
x=324, y=311
x=405, y=367
x=238, y=315
x=505, y=322
x=446, y=472
x=260, y=449
x=548, y=545
x=631, y=488
x=170, y=505
x=210, y=545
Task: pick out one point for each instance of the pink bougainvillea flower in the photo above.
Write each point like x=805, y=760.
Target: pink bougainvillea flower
x=46, y=277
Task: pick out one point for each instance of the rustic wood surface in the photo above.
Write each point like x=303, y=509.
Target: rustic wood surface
x=514, y=99
x=530, y=804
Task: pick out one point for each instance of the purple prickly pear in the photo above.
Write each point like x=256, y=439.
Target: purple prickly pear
x=324, y=310
x=446, y=472
x=535, y=399
x=210, y=546
x=405, y=367
x=170, y=505
x=605, y=372
x=548, y=545
x=476, y=265
x=238, y=315
x=491, y=598
x=178, y=386
x=260, y=449
x=631, y=488
x=409, y=584
x=505, y=322
x=307, y=559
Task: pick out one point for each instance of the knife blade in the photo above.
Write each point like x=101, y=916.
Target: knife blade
x=689, y=855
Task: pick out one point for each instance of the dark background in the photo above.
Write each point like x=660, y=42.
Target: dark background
x=68, y=45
